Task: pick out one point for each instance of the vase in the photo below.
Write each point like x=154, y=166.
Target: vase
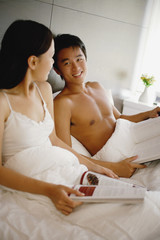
x=145, y=97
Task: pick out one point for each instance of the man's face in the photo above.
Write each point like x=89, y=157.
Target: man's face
x=71, y=64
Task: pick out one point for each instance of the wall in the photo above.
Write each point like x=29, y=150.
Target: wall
x=110, y=29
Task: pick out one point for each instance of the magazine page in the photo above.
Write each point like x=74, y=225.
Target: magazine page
x=148, y=150
x=100, y=188
x=146, y=135
x=92, y=178
x=101, y=193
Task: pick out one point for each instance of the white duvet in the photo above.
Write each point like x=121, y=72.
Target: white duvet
x=27, y=216
x=48, y=163
x=130, y=139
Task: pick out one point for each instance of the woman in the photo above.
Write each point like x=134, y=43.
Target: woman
x=26, y=58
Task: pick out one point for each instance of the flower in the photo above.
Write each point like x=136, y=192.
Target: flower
x=148, y=81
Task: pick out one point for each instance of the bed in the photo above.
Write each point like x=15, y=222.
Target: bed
x=26, y=216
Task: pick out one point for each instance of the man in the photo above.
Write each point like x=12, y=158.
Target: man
x=84, y=110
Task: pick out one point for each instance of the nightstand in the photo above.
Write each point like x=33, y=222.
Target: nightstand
x=131, y=107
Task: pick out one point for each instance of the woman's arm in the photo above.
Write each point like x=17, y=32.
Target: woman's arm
x=57, y=193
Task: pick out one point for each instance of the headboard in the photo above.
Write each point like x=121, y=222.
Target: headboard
x=56, y=82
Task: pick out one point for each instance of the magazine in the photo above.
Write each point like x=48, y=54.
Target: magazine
x=100, y=188
x=100, y=193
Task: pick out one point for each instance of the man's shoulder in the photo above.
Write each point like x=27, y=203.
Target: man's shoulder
x=98, y=86
x=62, y=98
x=95, y=85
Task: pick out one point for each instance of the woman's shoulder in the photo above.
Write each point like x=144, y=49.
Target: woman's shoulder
x=45, y=89
x=4, y=106
x=44, y=86
x=3, y=100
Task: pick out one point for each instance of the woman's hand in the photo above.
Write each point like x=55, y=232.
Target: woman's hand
x=59, y=195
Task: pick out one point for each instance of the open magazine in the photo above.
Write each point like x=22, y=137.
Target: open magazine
x=100, y=188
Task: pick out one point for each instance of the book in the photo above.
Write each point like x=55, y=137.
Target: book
x=100, y=188
x=147, y=151
x=146, y=136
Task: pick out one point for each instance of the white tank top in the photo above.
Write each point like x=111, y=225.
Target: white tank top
x=21, y=132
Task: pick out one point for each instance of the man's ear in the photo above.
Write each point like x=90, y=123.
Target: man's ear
x=32, y=62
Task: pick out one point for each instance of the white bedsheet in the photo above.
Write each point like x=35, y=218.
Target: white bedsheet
x=27, y=216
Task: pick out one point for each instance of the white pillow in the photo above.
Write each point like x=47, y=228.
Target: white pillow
x=55, y=94
x=78, y=147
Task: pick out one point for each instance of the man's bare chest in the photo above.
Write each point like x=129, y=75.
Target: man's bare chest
x=87, y=111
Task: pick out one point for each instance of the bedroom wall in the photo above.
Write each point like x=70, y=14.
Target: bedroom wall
x=111, y=30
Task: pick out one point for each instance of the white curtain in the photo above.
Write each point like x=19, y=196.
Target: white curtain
x=149, y=60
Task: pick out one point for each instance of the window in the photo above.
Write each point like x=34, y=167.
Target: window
x=148, y=61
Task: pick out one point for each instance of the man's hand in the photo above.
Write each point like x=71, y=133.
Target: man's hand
x=154, y=113
x=126, y=168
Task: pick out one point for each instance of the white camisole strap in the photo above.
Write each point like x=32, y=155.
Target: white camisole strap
x=40, y=94
x=7, y=100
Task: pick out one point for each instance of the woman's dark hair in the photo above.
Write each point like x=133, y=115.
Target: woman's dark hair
x=62, y=41
x=22, y=39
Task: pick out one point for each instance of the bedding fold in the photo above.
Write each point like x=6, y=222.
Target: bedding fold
x=130, y=139
x=48, y=163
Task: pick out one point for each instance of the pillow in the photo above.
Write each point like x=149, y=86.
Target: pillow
x=55, y=94
x=78, y=147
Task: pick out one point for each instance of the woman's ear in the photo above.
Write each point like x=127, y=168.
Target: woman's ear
x=32, y=62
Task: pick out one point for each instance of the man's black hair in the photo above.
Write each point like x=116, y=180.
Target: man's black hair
x=65, y=41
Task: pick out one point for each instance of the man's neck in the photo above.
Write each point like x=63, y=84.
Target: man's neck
x=76, y=88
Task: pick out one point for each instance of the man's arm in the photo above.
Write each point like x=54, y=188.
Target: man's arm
x=124, y=168
x=133, y=118
x=142, y=116
x=62, y=116
x=137, y=117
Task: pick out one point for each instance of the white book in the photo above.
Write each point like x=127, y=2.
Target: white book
x=148, y=150
x=146, y=136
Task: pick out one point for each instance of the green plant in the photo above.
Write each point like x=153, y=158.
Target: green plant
x=148, y=81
